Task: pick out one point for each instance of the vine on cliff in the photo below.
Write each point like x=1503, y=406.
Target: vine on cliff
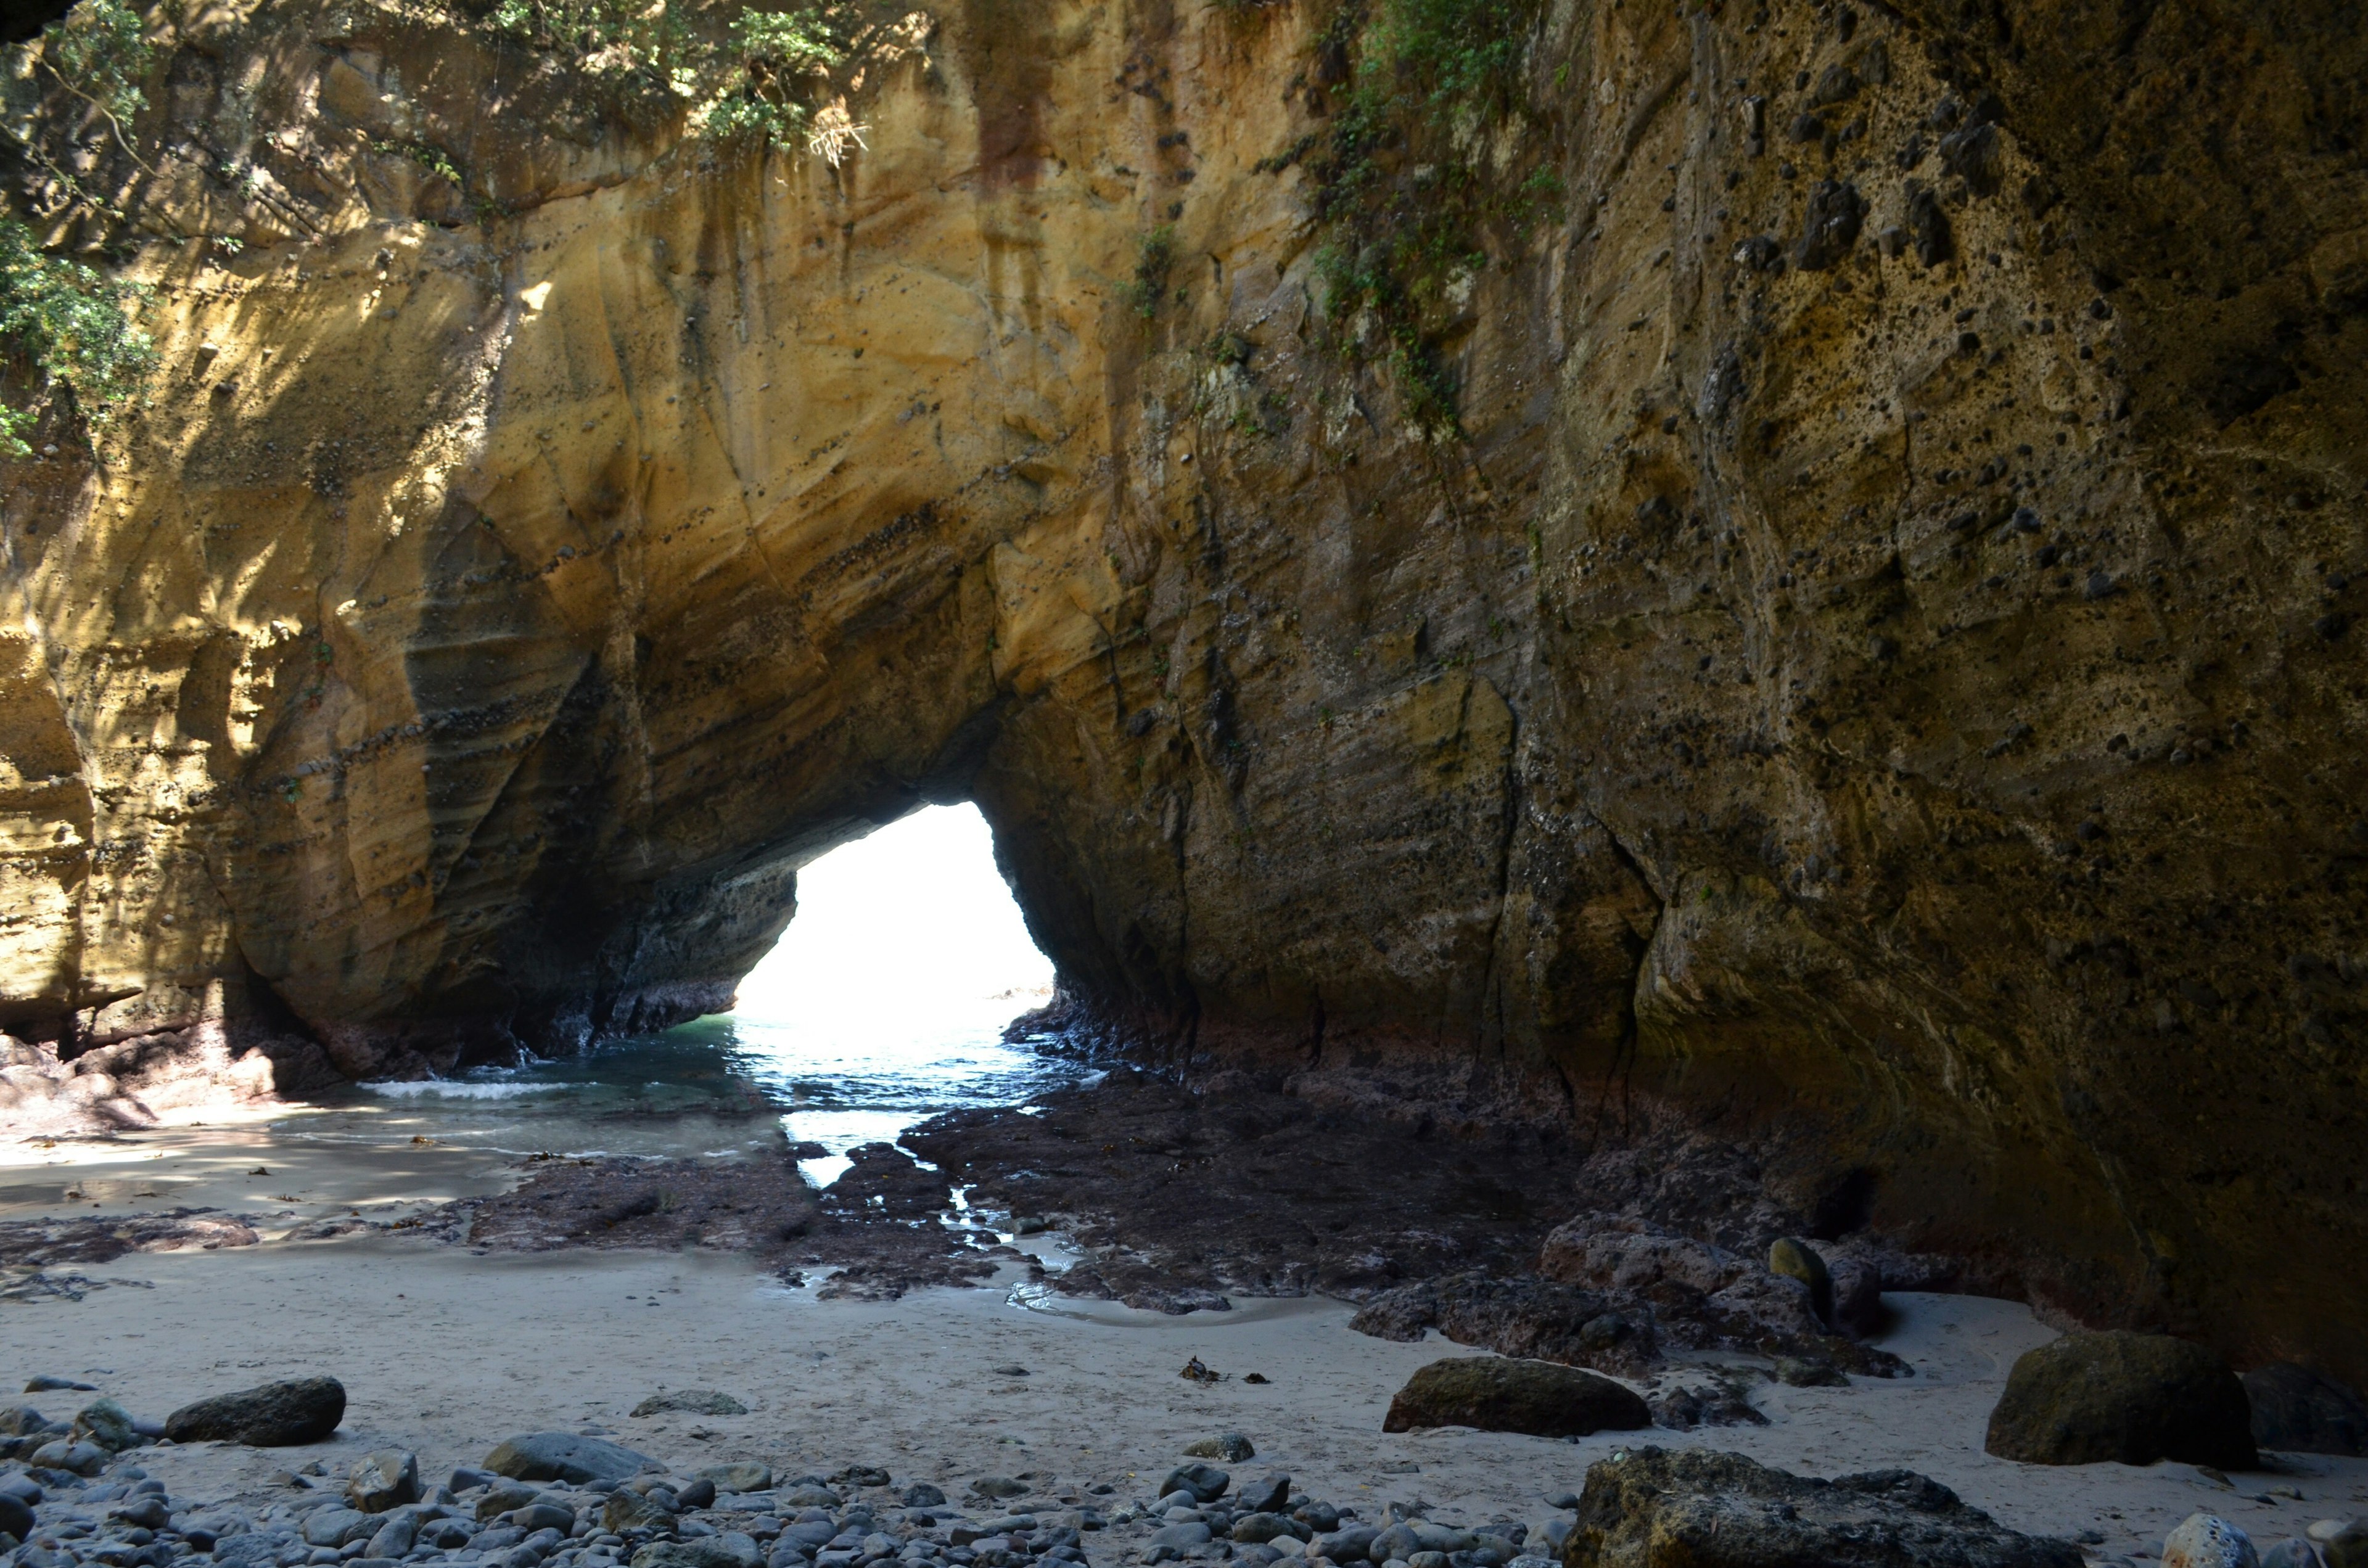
x=1404, y=181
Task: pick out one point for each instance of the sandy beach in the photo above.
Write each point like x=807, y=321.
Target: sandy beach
x=445, y=1350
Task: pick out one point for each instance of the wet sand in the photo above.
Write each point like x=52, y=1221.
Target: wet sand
x=446, y=1350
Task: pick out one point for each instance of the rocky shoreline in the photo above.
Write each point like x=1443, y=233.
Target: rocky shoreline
x=74, y=1495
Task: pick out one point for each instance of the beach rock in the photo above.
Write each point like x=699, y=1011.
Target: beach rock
x=812, y=1496
x=1656, y=1507
x=395, y=1536
x=107, y=1423
x=1809, y=1372
x=2135, y=1398
x=541, y=1515
x=334, y=1527
x=80, y=1459
x=2347, y=1548
x=2206, y=1540
x=1205, y=1483
x=697, y=1493
x=1516, y=1316
x=744, y=1476
x=15, y=1518
x=1269, y=1494
x=1709, y=1404
x=273, y=1415
x=703, y=1551
x=43, y=1382
x=2300, y=1410
x=1233, y=1447
x=1796, y=1260
x=697, y=1402
x=21, y=1421
x=2291, y=1553
x=1500, y=1394
x=1180, y=1537
x=1257, y=1528
x=1351, y=1544
x=386, y=1478
x=564, y=1455
x=628, y=1510
x=921, y=1495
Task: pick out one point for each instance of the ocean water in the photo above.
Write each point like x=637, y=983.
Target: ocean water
x=884, y=1004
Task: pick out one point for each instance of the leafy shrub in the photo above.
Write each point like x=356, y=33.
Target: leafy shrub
x=71, y=324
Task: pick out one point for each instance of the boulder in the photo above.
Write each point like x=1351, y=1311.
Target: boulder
x=564, y=1455
x=1498, y=1393
x=386, y=1478
x=2347, y=1548
x=273, y=1415
x=2205, y=1540
x=2298, y=1410
x=1691, y=1509
x=2135, y=1398
x=107, y=1423
x=1797, y=1260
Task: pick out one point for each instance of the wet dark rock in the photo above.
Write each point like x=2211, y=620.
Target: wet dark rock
x=1268, y=1493
x=281, y=1415
x=1522, y=1315
x=15, y=1518
x=1830, y=225
x=1836, y=84
x=564, y=1455
x=46, y=1242
x=2297, y=1409
x=1715, y=1510
x=1500, y=1394
x=2135, y=1398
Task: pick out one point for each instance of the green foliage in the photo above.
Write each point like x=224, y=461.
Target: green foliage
x=69, y=323
x=1155, y=259
x=1404, y=185
x=749, y=89
x=435, y=160
x=99, y=52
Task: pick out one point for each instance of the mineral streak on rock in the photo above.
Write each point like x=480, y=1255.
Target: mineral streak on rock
x=509, y=585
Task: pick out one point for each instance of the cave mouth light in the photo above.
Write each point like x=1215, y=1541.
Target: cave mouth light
x=885, y=999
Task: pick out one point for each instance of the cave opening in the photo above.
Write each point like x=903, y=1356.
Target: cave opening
x=888, y=997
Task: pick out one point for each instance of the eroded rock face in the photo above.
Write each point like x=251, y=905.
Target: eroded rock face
x=1878, y=660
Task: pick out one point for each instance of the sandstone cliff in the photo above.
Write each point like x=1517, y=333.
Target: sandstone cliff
x=1824, y=595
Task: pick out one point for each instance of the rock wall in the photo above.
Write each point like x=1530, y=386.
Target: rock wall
x=1875, y=661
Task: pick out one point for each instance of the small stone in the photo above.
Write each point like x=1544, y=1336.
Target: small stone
x=332, y=1527
x=15, y=1517
x=2206, y=1540
x=921, y=1495
x=1270, y=1494
x=44, y=1383
x=743, y=1476
x=704, y=1552
x=1180, y=1537
x=1011, y=1370
x=1233, y=1447
x=994, y=1486
x=386, y=1478
x=273, y=1415
x=394, y=1538
x=695, y=1401
x=1205, y=1482
x=2347, y=1548
x=811, y=1494
x=1505, y=1394
x=2290, y=1553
